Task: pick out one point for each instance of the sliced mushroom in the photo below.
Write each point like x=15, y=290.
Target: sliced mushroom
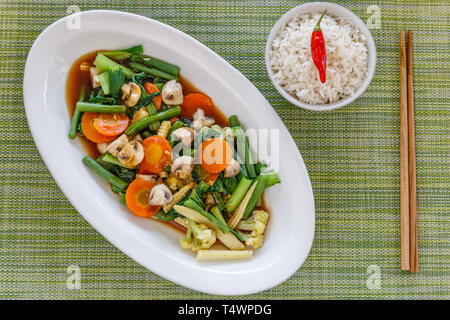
x=232, y=169
x=131, y=93
x=160, y=195
x=172, y=93
x=132, y=154
x=185, y=135
x=209, y=199
x=200, y=120
x=146, y=177
x=140, y=114
x=182, y=167
x=101, y=147
x=94, y=77
x=138, y=138
x=117, y=145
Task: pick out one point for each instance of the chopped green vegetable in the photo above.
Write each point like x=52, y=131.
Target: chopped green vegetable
x=218, y=186
x=234, y=121
x=161, y=65
x=197, y=196
x=115, y=189
x=124, y=53
x=176, y=125
x=144, y=123
x=219, y=200
x=105, y=174
x=238, y=194
x=167, y=216
x=103, y=78
x=95, y=107
x=229, y=183
x=272, y=178
x=203, y=186
x=131, y=110
x=218, y=214
x=243, y=148
x=152, y=111
x=125, y=174
x=99, y=98
x=146, y=133
x=191, y=204
x=122, y=198
x=116, y=80
x=259, y=167
x=107, y=158
x=256, y=195
x=152, y=71
x=103, y=63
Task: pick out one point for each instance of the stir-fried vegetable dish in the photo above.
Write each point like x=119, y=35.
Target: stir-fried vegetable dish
x=169, y=154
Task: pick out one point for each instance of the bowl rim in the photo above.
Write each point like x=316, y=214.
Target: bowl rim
x=312, y=7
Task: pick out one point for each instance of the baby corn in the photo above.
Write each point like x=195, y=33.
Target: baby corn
x=214, y=255
x=178, y=196
x=181, y=221
x=239, y=212
x=228, y=239
x=164, y=129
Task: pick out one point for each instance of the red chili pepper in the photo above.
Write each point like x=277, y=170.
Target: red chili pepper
x=318, y=52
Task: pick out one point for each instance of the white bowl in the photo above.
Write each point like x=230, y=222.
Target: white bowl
x=337, y=11
x=152, y=244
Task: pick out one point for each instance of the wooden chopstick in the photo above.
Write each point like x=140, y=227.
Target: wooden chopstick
x=404, y=183
x=413, y=249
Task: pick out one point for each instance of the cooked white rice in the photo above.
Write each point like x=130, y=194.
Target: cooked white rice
x=294, y=69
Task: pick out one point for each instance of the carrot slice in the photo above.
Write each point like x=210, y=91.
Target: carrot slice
x=111, y=124
x=211, y=178
x=205, y=176
x=89, y=130
x=193, y=101
x=151, y=88
x=215, y=155
x=157, y=155
x=136, y=198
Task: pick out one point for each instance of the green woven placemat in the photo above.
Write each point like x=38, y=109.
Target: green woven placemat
x=352, y=156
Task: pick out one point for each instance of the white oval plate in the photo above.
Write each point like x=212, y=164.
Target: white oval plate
x=152, y=244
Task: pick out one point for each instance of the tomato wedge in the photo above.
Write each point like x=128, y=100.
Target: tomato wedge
x=89, y=130
x=193, y=101
x=151, y=88
x=157, y=155
x=215, y=155
x=111, y=124
x=136, y=198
